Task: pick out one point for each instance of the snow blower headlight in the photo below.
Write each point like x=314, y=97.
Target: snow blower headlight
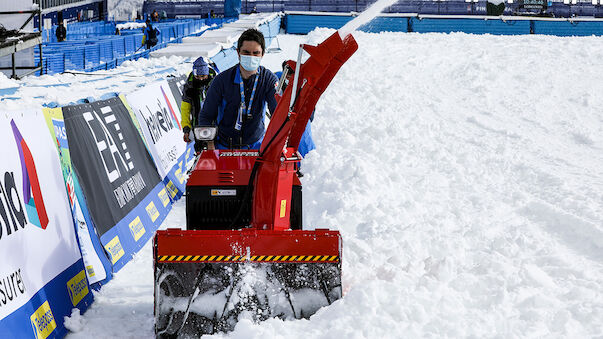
x=205, y=133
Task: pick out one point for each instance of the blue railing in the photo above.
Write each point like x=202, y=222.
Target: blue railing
x=302, y=23
x=94, y=46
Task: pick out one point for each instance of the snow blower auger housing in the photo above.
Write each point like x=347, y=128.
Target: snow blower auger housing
x=249, y=258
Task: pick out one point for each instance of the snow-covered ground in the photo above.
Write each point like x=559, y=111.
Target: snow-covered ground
x=63, y=89
x=465, y=174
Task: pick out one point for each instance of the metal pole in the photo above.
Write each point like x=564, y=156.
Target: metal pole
x=41, y=30
x=296, y=77
x=14, y=76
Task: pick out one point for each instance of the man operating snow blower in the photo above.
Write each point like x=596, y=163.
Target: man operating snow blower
x=238, y=96
x=244, y=254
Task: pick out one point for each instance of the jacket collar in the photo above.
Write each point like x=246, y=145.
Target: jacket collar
x=237, y=77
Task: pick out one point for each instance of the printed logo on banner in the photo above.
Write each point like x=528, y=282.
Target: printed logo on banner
x=165, y=200
x=60, y=132
x=32, y=194
x=61, y=136
x=180, y=176
x=90, y=271
x=42, y=321
x=115, y=249
x=11, y=287
x=137, y=228
x=117, y=172
x=152, y=211
x=160, y=122
x=174, y=117
x=78, y=288
x=112, y=169
x=172, y=188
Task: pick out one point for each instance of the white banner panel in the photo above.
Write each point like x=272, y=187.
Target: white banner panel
x=37, y=235
x=158, y=115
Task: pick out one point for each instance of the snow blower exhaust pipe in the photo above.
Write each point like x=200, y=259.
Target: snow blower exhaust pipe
x=208, y=278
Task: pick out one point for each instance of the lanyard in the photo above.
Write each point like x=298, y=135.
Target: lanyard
x=242, y=108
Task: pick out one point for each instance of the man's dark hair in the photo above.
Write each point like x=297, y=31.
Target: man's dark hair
x=252, y=34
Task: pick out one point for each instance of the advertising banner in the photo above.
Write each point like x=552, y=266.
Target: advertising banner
x=176, y=86
x=159, y=121
x=42, y=275
x=125, y=195
x=98, y=267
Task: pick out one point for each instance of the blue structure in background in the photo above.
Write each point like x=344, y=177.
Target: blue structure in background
x=232, y=8
x=304, y=22
x=449, y=7
x=73, y=11
x=93, y=46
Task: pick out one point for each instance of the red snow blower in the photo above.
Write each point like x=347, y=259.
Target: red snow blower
x=244, y=253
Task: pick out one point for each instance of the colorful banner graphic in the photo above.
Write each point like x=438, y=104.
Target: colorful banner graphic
x=159, y=124
x=159, y=121
x=42, y=276
x=125, y=196
x=176, y=86
x=98, y=267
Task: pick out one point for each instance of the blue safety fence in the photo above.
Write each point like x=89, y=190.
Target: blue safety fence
x=94, y=46
x=546, y=8
x=303, y=23
x=81, y=30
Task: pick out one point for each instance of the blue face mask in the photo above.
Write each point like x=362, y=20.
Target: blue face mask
x=250, y=63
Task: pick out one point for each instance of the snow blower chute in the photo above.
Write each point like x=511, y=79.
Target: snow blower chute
x=242, y=257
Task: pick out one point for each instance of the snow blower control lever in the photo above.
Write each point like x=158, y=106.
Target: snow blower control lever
x=249, y=258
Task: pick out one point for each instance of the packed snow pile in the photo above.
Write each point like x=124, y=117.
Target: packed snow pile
x=465, y=174
x=131, y=25
x=64, y=89
x=6, y=82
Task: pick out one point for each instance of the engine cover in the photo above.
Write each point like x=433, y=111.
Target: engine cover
x=216, y=189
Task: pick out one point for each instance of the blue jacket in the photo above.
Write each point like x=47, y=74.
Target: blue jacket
x=306, y=143
x=221, y=105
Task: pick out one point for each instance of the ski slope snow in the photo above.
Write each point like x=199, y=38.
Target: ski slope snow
x=465, y=174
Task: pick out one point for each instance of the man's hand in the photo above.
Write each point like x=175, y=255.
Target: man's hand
x=186, y=132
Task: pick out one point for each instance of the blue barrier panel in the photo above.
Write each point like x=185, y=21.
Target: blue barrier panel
x=91, y=55
x=138, y=40
x=119, y=47
x=568, y=28
x=472, y=26
x=265, y=30
x=303, y=24
x=274, y=27
x=74, y=58
x=130, y=42
x=385, y=24
x=106, y=50
x=225, y=59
